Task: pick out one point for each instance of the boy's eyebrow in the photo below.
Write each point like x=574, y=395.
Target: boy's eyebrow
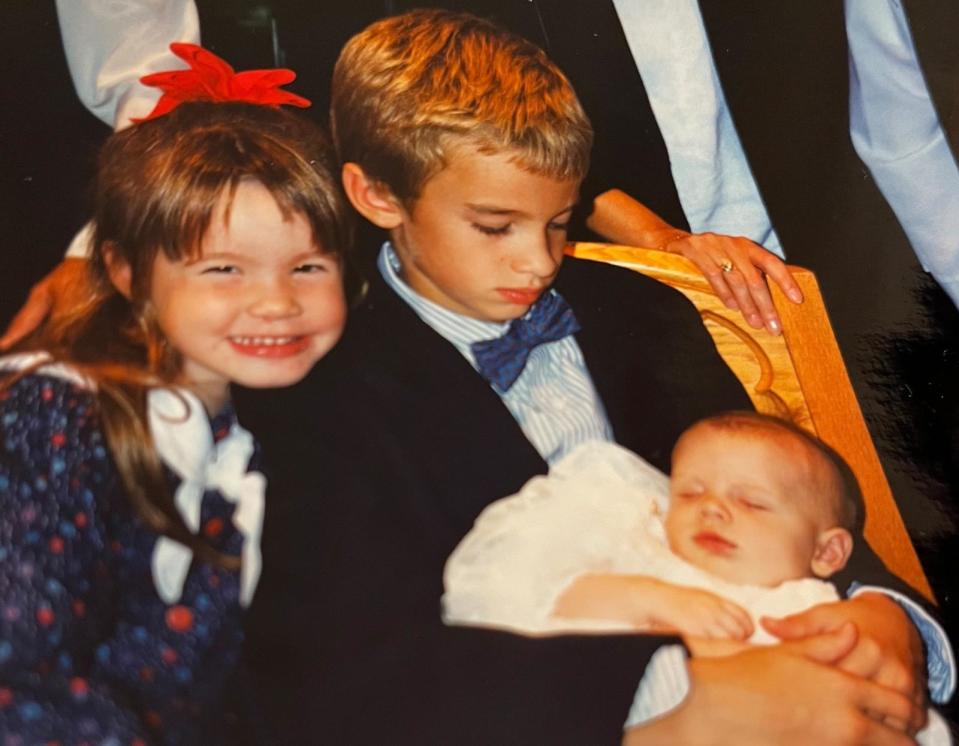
x=491, y=210
x=494, y=210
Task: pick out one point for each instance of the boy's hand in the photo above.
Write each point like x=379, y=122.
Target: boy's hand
x=787, y=694
x=888, y=650
x=57, y=291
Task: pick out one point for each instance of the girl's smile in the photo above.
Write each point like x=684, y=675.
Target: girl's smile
x=269, y=346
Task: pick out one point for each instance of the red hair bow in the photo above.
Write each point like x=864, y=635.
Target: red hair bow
x=212, y=79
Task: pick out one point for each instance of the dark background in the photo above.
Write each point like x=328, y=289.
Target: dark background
x=899, y=332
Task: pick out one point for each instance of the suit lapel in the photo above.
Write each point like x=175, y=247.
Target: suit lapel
x=784, y=73
x=933, y=27
x=429, y=396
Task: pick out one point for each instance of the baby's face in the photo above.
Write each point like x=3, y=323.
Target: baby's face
x=741, y=508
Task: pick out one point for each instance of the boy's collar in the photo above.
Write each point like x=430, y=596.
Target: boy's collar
x=457, y=328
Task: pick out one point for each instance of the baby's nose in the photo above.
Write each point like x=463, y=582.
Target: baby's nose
x=714, y=507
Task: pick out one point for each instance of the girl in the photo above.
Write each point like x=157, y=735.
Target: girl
x=130, y=503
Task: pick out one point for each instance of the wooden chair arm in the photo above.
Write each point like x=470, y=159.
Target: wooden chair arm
x=799, y=376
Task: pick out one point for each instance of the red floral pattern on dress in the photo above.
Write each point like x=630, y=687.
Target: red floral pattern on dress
x=89, y=653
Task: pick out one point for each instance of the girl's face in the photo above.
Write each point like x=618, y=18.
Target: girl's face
x=259, y=306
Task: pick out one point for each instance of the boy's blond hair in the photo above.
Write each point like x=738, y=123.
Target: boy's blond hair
x=407, y=87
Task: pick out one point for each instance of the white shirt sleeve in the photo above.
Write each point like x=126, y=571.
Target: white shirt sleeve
x=111, y=44
x=896, y=132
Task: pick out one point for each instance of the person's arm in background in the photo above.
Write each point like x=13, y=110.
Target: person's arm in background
x=109, y=47
x=897, y=133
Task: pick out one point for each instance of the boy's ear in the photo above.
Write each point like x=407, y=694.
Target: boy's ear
x=118, y=270
x=833, y=549
x=371, y=198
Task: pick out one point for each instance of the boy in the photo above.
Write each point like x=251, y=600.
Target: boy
x=467, y=145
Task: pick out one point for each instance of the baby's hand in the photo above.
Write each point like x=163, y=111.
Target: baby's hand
x=648, y=604
x=695, y=613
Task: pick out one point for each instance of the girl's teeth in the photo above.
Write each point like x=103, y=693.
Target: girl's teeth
x=262, y=341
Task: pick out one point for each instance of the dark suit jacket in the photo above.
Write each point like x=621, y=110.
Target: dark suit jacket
x=382, y=459
x=933, y=34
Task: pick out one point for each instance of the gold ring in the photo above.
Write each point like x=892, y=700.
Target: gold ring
x=726, y=266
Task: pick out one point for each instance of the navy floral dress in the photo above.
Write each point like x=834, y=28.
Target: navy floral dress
x=89, y=653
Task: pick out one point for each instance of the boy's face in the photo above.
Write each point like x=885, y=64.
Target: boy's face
x=744, y=506
x=485, y=238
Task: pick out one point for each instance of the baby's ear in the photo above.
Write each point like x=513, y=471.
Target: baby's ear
x=118, y=269
x=833, y=548
x=371, y=198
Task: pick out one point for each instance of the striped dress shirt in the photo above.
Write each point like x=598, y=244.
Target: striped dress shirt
x=553, y=400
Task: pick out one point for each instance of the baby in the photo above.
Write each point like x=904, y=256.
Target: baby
x=756, y=516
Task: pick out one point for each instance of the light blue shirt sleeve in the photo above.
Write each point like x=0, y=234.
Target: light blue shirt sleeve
x=715, y=185
x=940, y=659
x=896, y=132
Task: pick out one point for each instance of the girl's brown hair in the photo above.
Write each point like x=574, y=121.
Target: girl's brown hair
x=157, y=187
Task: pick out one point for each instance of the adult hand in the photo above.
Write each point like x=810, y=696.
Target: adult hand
x=620, y=218
x=789, y=694
x=715, y=648
x=888, y=650
x=60, y=289
x=737, y=269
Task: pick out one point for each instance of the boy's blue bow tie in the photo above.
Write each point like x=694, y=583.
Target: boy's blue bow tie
x=501, y=360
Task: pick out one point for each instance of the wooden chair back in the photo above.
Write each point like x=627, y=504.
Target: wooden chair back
x=799, y=376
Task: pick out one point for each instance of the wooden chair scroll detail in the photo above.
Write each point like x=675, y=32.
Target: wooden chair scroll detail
x=799, y=376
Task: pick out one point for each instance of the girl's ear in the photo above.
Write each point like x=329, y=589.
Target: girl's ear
x=833, y=548
x=118, y=269
x=372, y=199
